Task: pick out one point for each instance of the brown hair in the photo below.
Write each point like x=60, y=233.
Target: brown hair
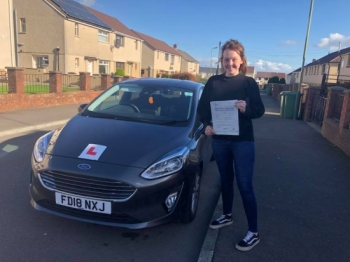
x=239, y=48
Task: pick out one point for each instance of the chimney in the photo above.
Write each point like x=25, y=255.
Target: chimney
x=175, y=46
x=313, y=60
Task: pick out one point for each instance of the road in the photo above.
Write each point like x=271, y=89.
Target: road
x=30, y=235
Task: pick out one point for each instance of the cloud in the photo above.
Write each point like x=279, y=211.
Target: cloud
x=88, y=2
x=289, y=42
x=332, y=42
x=206, y=61
x=271, y=66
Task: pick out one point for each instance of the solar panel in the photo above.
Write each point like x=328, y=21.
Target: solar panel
x=76, y=10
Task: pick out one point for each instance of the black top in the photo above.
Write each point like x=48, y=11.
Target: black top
x=240, y=87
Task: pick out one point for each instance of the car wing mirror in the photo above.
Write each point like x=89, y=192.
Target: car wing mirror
x=81, y=107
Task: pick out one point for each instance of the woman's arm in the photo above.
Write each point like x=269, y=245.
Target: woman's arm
x=255, y=107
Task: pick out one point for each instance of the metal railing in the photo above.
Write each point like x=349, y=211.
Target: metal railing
x=70, y=82
x=4, y=88
x=37, y=83
x=338, y=106
x=318, y=109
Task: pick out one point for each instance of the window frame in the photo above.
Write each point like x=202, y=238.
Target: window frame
x=103, y=34
x=104, y=63
x=121, y=38
x=23, y=25
x=76, y=30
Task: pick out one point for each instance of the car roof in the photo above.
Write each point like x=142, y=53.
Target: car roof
x=167, y=81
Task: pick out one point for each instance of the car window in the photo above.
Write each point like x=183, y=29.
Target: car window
x=157, y=103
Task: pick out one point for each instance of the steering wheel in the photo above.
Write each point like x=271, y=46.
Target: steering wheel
x=136, y=109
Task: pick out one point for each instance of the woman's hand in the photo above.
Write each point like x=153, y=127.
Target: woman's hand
x=241, y=105
x=209, y=131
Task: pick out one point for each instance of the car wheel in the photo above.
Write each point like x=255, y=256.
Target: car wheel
x=192, y=198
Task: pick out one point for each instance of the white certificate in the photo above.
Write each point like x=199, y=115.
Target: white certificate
x=225, y=117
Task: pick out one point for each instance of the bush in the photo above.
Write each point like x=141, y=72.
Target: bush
x=274, y=80
x=120, y=72
x=282, y=81
x=184, y=76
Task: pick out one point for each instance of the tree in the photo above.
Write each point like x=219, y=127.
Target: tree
x=282, y=81
x=274, y=80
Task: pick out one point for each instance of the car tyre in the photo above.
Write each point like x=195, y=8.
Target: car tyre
x=192, y=198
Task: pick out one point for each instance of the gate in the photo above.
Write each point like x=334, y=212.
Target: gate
x=318, y=108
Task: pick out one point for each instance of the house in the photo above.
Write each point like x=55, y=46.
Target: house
x=62, y=35
x=7, y=43
x=127, y=49
x=250, y=71
x=330, y=65
x=158, y=57
x=344, y=72
x=263, y=77
x=188, y=63
x=293, y=77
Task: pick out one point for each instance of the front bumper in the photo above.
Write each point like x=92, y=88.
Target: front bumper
x=144, y=208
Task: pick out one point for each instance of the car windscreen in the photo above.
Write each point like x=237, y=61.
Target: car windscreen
x=152, y=103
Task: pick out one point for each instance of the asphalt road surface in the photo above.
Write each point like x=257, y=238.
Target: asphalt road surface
x=30, y=235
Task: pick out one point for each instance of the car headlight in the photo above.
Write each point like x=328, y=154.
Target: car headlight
x=41, y=146
x=169, y=164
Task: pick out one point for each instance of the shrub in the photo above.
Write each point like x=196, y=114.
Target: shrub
x=282, y=81
x=274, y=80
x=184, y=76
x=120, y=72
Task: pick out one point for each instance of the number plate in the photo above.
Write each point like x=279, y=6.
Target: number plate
x=82, y=203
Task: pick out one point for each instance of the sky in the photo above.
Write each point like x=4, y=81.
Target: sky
x=273, y=32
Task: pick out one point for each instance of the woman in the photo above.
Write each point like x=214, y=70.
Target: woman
x=234, y=154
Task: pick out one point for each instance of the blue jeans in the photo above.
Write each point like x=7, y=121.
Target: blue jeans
x=237, y=158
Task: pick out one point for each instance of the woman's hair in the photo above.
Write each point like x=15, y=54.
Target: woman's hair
x=239, y=48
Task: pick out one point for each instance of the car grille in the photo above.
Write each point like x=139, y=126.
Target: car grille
x=86, y=186
x=111, y=218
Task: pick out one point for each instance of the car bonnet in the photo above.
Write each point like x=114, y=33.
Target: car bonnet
x=118, y=142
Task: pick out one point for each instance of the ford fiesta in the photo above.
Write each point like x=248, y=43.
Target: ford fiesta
x=133, y=157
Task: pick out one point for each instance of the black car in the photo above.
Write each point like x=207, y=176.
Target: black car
x=133, y=157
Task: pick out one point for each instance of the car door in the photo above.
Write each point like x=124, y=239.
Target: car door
x=203, y=141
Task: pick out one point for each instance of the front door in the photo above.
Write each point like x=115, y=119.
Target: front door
x=89, y=66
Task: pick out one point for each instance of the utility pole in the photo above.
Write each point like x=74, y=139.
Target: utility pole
x=219, y=53
x=296, y=109
x=211, y=59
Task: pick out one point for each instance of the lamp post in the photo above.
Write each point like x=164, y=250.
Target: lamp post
x=211, y=58
x=58, y=58
x=296, y=109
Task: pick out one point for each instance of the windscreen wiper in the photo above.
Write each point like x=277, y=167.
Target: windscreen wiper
x=172, y=122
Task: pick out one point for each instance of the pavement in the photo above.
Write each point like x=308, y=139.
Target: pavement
x=302, y=185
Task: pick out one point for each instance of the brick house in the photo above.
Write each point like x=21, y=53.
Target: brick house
x=158, y=57
x=62, y=35
x=127, y=50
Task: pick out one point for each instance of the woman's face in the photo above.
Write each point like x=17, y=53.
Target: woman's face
x=231, y=62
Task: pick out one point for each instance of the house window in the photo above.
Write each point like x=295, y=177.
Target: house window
x=136, y=44
x=119, y=40
x=166, y=57
x=120, y=65
x=305, y=71
x=172, y=59
x=76, y=29
x=102, y=36
x=323, y=69
x=23, y=25
x=135, y=66
x=158, y=55
x=348, y=60
x=41, y=61
x=76, y=62
x=259, y=78
x=103, y=67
